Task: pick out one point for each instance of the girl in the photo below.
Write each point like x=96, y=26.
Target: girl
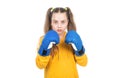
x=59, y=60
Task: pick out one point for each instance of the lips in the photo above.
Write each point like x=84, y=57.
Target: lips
x=59, y=30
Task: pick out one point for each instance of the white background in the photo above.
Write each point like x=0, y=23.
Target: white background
x=21, y=25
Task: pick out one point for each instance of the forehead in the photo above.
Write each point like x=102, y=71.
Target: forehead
x=59, y=16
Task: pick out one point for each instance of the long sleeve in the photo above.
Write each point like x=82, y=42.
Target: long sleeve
x=41, y=61
x=81, y=60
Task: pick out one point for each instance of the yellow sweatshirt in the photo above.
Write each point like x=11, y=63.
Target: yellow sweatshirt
x=63, y=64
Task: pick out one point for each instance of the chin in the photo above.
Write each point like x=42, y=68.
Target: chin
x=60, y=33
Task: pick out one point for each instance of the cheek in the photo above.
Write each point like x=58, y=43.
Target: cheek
x=65, y=26
x=53, y=27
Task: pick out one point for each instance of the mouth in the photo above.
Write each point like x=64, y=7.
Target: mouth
x=59, y=30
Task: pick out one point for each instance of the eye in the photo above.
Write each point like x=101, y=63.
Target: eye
x=63, y=22
x=55, y=22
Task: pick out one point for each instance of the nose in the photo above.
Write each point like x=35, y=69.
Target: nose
x=59, y=25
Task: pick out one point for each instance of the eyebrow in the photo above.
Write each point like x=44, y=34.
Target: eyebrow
x=57, y=20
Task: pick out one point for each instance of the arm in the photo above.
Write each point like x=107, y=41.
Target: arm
x=43, y=49
x=74, y=39
x=81, y=57
x=41, y=61
x=81, y=60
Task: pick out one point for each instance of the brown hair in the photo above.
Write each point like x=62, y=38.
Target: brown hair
x=47, y=25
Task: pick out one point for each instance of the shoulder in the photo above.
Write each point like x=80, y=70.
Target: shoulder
x=39, y=42
x=41, y=38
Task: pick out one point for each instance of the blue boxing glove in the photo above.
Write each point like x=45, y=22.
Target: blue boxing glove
x=50, y=37
x=74, y=39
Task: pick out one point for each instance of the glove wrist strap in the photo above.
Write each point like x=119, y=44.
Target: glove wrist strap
x=81, y=52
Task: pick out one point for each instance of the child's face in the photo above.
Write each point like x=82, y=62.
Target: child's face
x=59, y=22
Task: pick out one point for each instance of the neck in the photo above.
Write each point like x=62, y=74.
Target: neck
x=61, y=35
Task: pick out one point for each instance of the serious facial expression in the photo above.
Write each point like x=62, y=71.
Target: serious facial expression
x=59, y=22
